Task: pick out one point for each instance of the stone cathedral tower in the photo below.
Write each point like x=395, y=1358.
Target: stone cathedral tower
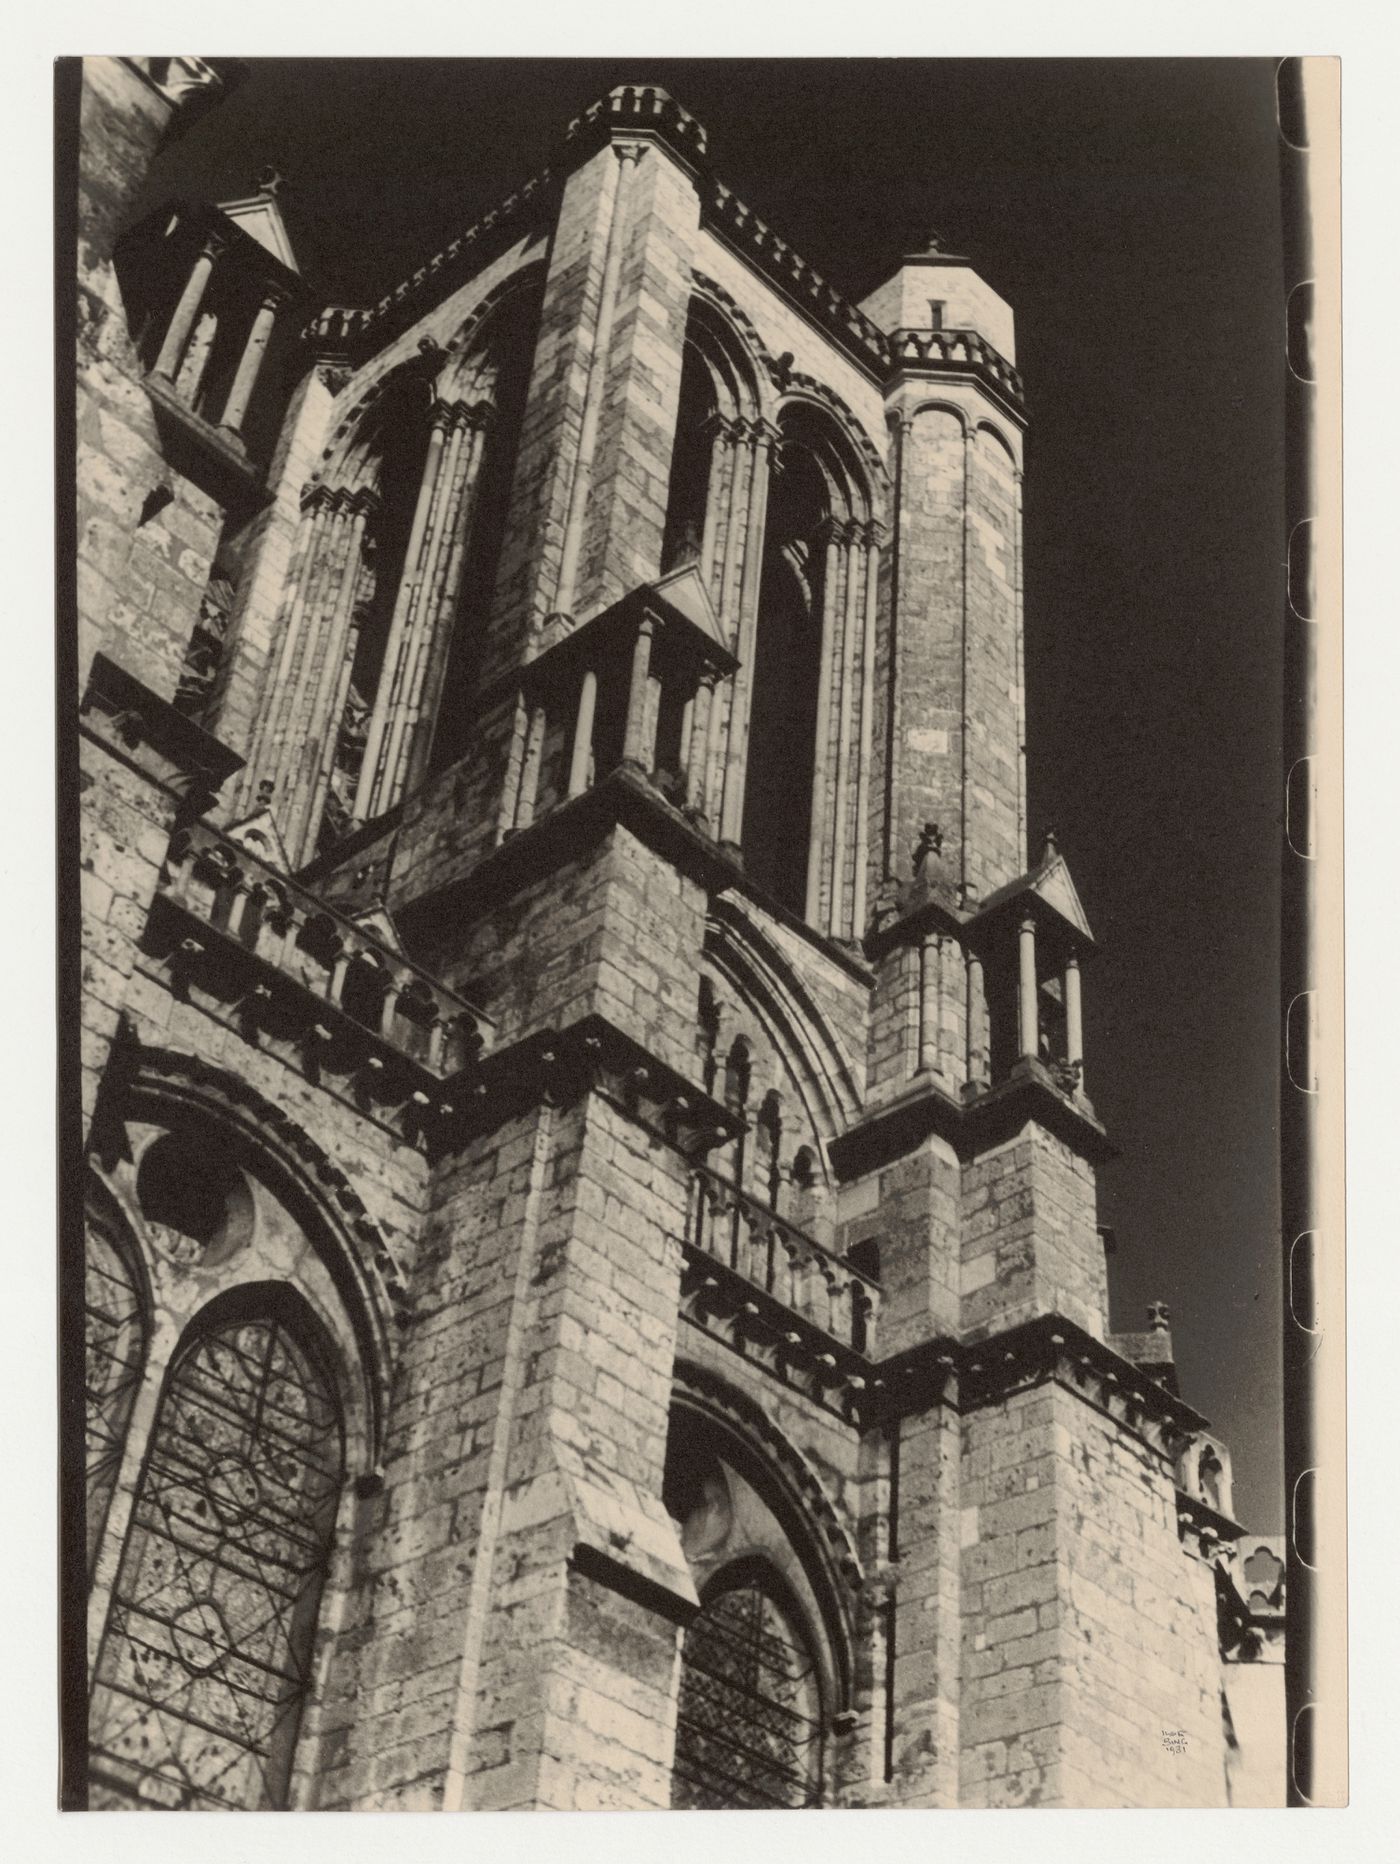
x=593, y=1294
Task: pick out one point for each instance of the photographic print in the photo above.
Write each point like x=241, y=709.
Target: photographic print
x=671, y=1169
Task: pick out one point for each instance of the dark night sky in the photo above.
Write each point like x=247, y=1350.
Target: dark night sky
x=1128, y=209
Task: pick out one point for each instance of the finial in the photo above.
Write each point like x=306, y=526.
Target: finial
x=1049, y=847
x=1159, y=1316
x=270, y=180
x=265, y=793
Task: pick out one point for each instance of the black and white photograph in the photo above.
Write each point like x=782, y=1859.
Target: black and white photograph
x=693, y=1103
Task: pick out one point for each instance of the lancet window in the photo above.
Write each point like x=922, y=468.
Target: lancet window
x=756, y=1674
x=718, y=484
x=777, y=517
x=809, y=690
x=394, y=565
x=218, y=1444
x=748, y=1722
x=204, y=1664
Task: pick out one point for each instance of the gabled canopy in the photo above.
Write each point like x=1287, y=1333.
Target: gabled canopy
x=1049, y=893
x=260, y=218
x=376, y=920
x=685, y=590
x=261, y=836
x=1053, y=883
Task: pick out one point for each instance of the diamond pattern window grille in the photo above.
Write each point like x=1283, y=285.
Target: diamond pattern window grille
x=115, y=1335
x=205, y=1659
x=748, y=1730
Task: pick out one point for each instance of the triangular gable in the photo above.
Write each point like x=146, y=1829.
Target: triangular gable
x=261, y=219
x=260, y=835
x=685, y=590
x=377, y=922
x=1055, y=887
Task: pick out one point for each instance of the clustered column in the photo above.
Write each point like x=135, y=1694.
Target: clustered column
x=420, y=628
x=760, y=437
x=838, y=847
x=291, y=755
x=721, y=559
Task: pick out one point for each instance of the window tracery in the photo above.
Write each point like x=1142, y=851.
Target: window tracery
x=748, y=1724
x=116, y=1331
x=757, y=1670
x=205, y=1659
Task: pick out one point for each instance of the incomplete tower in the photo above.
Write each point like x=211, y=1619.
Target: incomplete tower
x=592, y=1283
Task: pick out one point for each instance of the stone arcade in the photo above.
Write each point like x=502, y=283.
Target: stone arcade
x=593, y=1290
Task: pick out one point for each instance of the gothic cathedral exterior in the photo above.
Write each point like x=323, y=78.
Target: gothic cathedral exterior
x=592, y=1288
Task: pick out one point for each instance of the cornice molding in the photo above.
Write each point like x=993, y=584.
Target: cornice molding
x=121, y=712
x=557, y=1067
x=981, y=1120
x=623, y=798
x=215, y=459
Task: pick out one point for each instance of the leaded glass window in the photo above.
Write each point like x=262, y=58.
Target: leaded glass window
x=115, y=1330
x=748, y=1727
x=205, y=1658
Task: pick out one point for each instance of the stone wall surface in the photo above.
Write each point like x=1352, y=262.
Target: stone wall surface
x=123, y=833
x=1030, y=1243
x=1086, y=1641
x=140, y=578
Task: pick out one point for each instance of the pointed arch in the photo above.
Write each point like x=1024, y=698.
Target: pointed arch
x=864, y=467
x=770, y=989
x=997, y=433
x=721, y=398
x=712, y=1420
x=809, y=685
x=116, y=1340
x=168, y=1086
x=397, y=548
x=205, y=1660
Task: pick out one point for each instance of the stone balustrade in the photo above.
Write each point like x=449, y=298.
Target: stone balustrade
x=743, y=1235
x=248, y=905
